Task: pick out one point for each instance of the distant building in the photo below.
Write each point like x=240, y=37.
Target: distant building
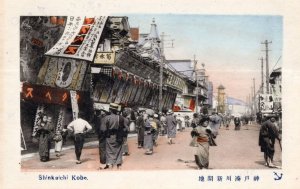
x=236, y=107
x=221, y=99
x=275, y=81
x=187, y=100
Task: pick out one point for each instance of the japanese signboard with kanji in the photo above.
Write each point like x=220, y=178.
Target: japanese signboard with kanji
x=80, y=38
x=105, y=58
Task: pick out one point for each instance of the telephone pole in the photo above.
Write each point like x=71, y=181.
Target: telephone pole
x=254, y=104
x=161, y=72
x=266, y=43
x=262, y=75
x=196, y=76
x=162, y=63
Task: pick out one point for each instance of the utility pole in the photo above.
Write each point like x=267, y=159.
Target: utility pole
x=262, y=75
x=254, y=104
x=161, y=69
x=161, y=72
x=196, y=76
x=266, y=42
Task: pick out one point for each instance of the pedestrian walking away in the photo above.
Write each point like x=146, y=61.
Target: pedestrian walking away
x=156, y=127
x=79, y=127
x=148, y=135
x=125, y=150
x=99, y=124
x=59, y=139
x=171, y=127
x=267, y=135
x=163, y=121
x=215, y=122
x=114, y=127
x=140, y=124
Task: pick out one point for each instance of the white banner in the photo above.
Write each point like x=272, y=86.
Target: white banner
x=74, y=104
x=80, y=38
x=60, y=120
x=38, y=117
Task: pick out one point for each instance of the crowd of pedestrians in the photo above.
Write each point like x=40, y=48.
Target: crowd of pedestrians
x=113, y=126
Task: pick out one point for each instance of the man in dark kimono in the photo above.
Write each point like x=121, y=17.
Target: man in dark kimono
x=267, y=135
x=171, y=127
x=237, y=123
x=100, y=123
x=126, y=131
x=114, y=127
x=140, y=124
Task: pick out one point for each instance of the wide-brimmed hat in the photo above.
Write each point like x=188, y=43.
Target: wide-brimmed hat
x=155, y=115
x=170, y=112
x=114, y=106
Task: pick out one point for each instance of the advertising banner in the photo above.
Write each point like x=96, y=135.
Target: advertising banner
x=75, y=109
x=80, y=38
x=266, y=103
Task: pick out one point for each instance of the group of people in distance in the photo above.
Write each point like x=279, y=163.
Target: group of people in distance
x=113, y=127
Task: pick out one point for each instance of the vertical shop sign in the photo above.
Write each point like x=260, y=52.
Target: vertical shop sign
x=74, y=104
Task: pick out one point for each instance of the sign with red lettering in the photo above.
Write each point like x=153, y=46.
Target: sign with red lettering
x=49, y=95
x=80, y=38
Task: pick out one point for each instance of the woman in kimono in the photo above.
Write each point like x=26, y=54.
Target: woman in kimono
x=45, y=128
x=148, y=135
x=201, y=136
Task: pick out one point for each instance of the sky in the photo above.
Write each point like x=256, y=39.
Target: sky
x=229, y=46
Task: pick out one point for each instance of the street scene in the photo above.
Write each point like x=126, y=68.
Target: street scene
x=176, y=157
x=150, y=92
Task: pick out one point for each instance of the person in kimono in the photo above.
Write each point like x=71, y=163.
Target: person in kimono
x=44, y=133
x=171, y=126
x=267, y=135
x=156, y=129
x=126, y=131
x=215, y=122
x=140, y=124
x=201, y=136
x=99, y=124
x=237, y=123
x=114, y=129
x=148, y=134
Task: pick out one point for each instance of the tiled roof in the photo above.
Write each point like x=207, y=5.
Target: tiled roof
x=182, y=66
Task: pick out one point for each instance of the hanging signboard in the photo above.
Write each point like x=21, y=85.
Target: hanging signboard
x=80, y=38
x=266, y=103
x=105, y=58
x=74, y=104
x=48, y=95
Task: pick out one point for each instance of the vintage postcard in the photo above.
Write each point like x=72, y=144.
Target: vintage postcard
x=141, y=94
